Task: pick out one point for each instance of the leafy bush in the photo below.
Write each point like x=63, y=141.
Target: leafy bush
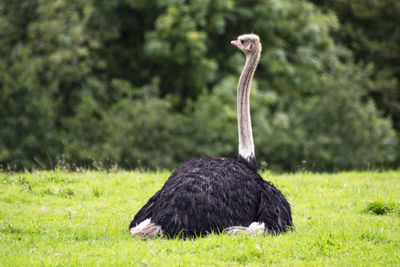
x=151, y=84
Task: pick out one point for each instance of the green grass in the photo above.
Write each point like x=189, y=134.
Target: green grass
x=81, y=218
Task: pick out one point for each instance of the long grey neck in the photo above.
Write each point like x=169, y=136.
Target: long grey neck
x=246, y=143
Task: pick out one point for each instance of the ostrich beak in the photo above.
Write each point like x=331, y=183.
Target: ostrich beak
x=237, y=43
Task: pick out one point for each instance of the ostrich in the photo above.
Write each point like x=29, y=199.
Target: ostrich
x=215, y=194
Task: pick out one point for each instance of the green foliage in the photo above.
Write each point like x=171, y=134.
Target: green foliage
x=150, y=84
x=86, y=228
x=380, y=207
x=97, y=191
x=371, y=29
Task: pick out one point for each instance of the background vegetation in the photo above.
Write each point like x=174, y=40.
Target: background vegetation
x=152, y=83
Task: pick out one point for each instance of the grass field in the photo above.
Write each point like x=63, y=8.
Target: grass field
x=81, y=218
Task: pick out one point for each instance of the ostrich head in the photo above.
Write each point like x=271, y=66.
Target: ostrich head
x=248, y=43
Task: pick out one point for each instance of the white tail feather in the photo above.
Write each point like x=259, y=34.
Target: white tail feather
x=255, y=228
x=146, y=229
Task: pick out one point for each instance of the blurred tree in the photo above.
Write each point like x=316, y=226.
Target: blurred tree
x=151, y=84
x=27, y=114
x=371, y=29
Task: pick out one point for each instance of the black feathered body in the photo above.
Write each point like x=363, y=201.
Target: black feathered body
x=208, y=194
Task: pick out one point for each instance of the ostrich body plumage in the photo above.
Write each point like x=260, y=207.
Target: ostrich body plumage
x=208, y=194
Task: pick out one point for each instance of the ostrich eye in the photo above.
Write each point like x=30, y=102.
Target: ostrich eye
x=241, y=41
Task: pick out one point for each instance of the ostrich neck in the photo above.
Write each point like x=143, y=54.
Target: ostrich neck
x=246, y=143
